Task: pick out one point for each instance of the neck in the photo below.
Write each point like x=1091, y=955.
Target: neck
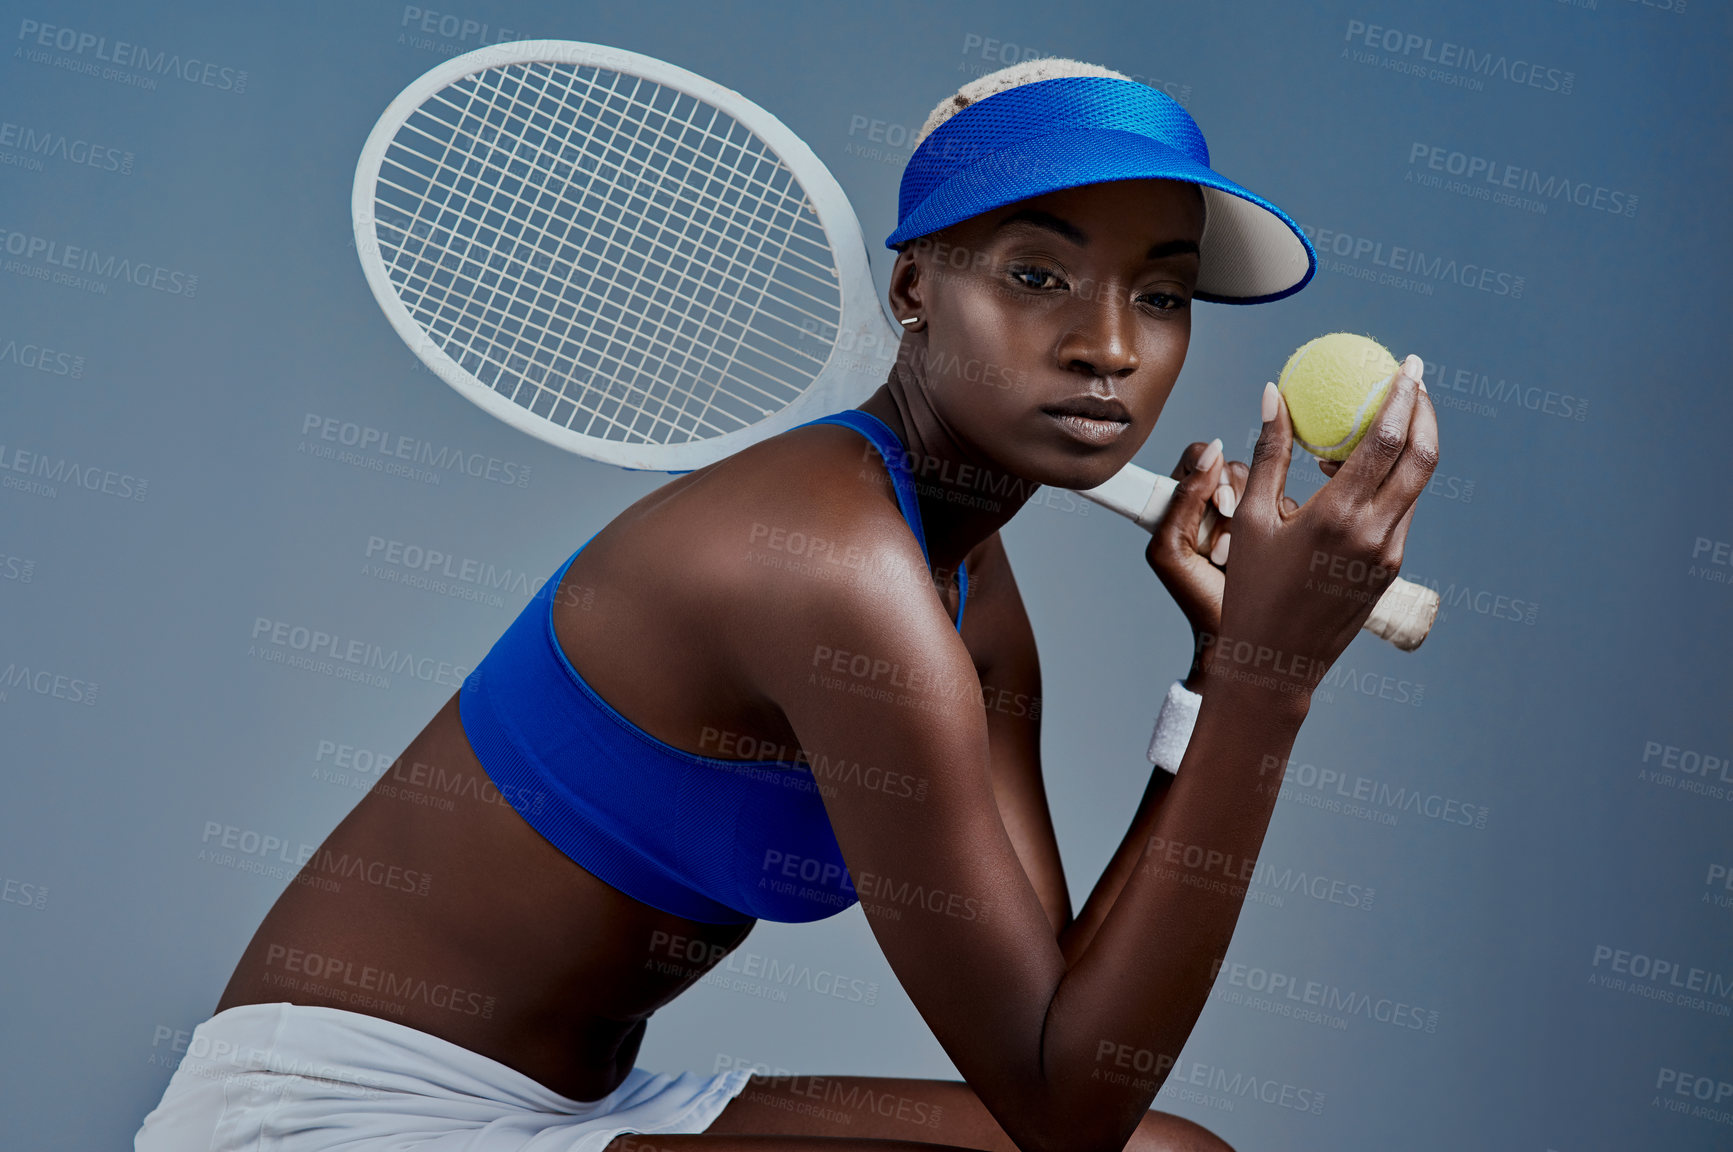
x=964, y=496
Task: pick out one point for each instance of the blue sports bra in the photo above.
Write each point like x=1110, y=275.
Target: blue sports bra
x=718, y=841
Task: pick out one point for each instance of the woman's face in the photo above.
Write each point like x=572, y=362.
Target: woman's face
x=1081, y=292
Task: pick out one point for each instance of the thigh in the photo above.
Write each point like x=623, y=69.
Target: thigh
x=945, y=1112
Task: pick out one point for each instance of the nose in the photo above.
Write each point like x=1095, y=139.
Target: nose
x=1100, y=335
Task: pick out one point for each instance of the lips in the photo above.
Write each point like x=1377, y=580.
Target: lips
x=1091, y=408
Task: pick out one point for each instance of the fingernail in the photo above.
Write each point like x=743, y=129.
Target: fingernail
x=1210, y=455
x=1225, y=499
x=1219, y=554
x=1414, y=368
x=1270, y=399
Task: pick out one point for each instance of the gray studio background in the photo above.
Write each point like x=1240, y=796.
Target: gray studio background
x=160, y=492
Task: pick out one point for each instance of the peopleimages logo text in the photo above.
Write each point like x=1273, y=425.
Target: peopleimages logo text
x=1421, y=50
x=35, y=34
x=1500, y=176
x=36, y=143
x=1411, y=262
x=58, y=254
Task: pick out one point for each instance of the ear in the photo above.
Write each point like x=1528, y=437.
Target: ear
x=908, y=282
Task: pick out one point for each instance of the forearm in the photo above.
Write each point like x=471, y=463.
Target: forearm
x=1140, y=978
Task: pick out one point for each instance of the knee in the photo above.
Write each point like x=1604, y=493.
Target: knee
x=1165, y=1132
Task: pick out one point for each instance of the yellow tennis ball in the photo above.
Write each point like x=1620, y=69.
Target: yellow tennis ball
x=1333, y=387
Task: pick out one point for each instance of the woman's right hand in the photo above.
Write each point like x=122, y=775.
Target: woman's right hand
x=1303, y=580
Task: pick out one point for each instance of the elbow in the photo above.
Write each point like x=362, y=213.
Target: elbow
x=1068, y=1102
x=1077, y=1141
x=1100, y=1130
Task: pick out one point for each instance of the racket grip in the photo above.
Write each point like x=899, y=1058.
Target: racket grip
x=1403, y=615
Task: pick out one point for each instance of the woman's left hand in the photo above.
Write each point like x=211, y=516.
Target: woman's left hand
x=1192, y=573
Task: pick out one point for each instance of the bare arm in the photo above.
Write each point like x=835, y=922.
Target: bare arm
x=885, y=680
x=957, y=915
x=997, y=632
x=1177, y=556
x=996, y=629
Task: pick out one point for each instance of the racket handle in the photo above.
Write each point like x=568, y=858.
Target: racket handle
x=1403, y=614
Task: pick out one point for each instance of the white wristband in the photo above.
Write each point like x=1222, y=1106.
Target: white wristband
x=1173, y=727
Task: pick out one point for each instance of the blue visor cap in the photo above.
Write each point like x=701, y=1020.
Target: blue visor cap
x=1076, y=130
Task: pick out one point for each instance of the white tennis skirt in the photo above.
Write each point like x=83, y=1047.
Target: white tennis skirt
x=291, y=1078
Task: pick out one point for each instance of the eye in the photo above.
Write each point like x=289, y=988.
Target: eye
x=1166, y=301
x=1034, y=276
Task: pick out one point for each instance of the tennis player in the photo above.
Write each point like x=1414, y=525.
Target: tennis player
x=801, y=678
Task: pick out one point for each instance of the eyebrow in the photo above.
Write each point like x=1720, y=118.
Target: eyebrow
x=1035, y=218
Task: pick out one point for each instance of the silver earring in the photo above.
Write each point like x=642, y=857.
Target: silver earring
x=910, y=320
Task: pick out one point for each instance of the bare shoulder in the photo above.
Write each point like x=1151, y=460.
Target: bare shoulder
x=723, y=562
x=806, y=541
x=813, y=528
x=778, y=495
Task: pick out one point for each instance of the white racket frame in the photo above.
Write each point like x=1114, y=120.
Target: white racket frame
x=842, y=382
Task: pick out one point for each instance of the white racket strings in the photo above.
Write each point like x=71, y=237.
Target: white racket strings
x=611, y=254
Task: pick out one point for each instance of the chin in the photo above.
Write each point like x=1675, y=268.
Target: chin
x=1077, y=473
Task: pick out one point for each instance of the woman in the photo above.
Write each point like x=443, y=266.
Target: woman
x=695, y=724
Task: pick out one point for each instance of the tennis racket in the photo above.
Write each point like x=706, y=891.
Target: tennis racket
x=639, y=265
